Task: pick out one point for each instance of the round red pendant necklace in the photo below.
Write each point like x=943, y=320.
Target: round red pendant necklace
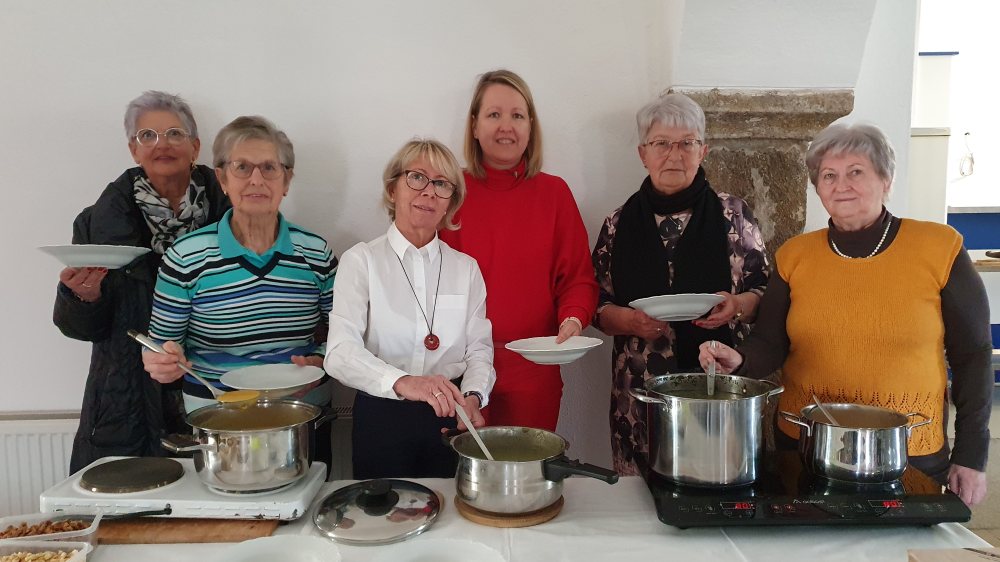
x=431, y=341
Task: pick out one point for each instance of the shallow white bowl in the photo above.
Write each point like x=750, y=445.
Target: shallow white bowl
x=429, y=549
x=94, y=255
x=544, y=350
x=274, y=381
x=286, y=548
x=676, y=308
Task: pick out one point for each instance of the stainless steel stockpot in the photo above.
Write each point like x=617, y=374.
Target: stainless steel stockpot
x=869, y=446
x=252, y=446
x=706, y=441
x=531, y=480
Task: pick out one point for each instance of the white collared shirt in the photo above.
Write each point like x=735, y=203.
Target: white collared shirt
x=377, y=329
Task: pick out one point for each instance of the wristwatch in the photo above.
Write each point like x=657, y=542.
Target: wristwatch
x=475, y=393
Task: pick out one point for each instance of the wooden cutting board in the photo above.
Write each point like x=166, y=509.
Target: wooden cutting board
x=153, y=530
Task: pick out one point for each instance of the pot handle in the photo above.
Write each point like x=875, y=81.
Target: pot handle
x=792, y=418
x=328, y=414
x=778, y=389
x=926, y=421
x=448, y=436
x=642, y=395
x=174, y=445
x=560, y=467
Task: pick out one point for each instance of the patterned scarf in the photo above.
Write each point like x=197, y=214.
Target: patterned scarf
x=163, y=224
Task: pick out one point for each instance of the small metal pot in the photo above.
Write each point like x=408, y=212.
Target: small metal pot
x=869, y=446
x=698, y=440
x=246, y=447
x=531, y=480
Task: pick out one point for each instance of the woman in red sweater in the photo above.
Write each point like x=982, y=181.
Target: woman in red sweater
x=525, y=230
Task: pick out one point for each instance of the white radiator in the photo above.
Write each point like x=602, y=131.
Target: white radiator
x=34, y=454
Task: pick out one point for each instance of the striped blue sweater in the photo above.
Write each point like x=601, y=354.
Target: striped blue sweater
x=232, y=308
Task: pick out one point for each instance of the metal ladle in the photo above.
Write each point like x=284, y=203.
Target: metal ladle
x=221, y=396
x=826, y=412
x=711, y=371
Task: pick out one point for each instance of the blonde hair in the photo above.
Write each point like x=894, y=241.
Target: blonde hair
x=441, y=159
x=473, y=151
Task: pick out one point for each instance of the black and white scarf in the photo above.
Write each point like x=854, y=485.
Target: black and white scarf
x=163, y=223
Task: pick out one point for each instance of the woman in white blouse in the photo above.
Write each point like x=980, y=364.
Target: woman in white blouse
x=408, y=327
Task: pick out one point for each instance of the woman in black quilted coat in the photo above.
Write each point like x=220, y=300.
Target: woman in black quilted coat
x=167, y=195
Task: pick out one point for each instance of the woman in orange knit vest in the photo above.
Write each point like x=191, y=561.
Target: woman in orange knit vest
x=866, y=311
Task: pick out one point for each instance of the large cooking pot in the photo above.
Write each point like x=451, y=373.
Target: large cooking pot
x=868, y=446
x=701, y=440
x=527, y=471
x=252, y=446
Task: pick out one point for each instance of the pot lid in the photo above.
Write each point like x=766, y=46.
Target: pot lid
x=377, y=512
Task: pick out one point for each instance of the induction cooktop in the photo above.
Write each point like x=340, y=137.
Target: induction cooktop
x=786, y=494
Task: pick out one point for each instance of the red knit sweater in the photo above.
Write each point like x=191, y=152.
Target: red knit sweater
x=532, y=247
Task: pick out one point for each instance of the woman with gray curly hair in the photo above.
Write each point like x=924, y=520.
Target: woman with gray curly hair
x=167, y=195
x=867, y=310
x=674, y=235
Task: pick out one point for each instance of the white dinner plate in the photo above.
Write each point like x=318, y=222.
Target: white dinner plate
x=271, y=377
x=94, y=255
x=286, y=548
x=545, y=351
x=430, y=549
x=675, y=308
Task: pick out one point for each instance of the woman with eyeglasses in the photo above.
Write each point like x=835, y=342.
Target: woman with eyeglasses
x=524, y=228
x=674, y=235
x=252, y=289
x=408, y=327
x=167, y=195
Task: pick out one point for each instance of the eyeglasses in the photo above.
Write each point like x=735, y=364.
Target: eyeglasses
x=663, y=146
x=173, y=136
x=270, y=170
x=418, y=182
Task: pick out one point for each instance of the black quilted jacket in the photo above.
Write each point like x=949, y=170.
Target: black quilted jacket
x=124, y=411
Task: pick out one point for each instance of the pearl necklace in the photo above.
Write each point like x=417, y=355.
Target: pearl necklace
x=875, y=251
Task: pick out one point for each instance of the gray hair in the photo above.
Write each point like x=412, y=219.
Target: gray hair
x=439, y=157
x=154, y=100
x=249, y=127
x=671, y=110
x=867, y=140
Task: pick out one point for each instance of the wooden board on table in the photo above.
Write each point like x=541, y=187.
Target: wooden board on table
x=155, y=530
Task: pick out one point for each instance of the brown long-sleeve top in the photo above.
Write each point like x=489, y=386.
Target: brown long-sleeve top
x=968, y=344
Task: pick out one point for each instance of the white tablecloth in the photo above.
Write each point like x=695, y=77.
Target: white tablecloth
x=616, y=522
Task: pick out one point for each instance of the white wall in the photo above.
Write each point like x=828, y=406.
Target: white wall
x=968, y=26
x=882, y=95
x=349, y=82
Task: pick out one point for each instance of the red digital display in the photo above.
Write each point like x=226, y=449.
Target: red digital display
x=737, y=505
x=886, y=504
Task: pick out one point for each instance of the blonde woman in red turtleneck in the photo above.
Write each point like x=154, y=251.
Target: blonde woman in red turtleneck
x=525, y=230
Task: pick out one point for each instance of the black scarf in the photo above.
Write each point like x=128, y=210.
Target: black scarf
x=640, y=263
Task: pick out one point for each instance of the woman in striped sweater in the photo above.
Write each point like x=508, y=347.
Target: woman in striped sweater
x=251, y=289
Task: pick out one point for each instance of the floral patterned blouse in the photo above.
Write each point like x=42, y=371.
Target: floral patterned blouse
x=633, y=359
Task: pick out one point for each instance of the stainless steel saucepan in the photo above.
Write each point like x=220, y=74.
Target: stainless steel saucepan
x=526, y=475
x=868, y=445
x=252, y=446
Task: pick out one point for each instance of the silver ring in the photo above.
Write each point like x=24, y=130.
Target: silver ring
x=87, y=286
x=436, y=394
